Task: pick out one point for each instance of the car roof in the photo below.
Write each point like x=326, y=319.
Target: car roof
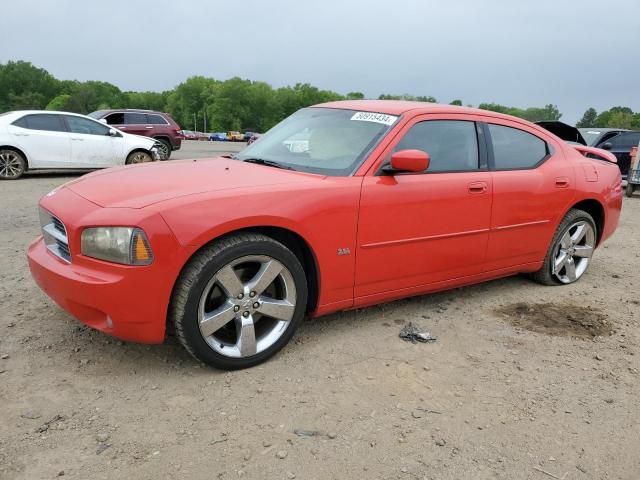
x=19, y=113
x=399, y=107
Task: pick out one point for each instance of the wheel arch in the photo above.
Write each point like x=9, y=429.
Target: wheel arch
x=594, y=208
x=19, y=150
x=137, y=149
x=290, y=239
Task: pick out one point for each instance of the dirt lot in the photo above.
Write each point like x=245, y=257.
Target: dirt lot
x=516, y=384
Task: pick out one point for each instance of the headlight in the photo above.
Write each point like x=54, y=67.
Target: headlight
x=126, y=245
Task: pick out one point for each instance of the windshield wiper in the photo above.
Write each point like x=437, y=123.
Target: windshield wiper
x=268, y=163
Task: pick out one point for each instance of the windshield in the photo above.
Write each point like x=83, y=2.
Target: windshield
x=590, y=136
x=327, y=141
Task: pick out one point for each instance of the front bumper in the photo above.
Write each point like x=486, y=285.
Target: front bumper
x=123, y=305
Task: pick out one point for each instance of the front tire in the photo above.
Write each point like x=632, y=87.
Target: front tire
x=12, y=164
x=138, y=157
x=239, y=301
x=570, y=252
x=629, y=190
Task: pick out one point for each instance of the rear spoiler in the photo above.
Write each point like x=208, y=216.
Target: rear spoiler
x=598, y=153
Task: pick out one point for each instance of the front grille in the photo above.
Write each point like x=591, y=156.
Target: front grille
x=55, y=237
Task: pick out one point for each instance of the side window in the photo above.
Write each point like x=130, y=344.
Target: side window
x=115, y=119
x=451, y=144
x=85, y=126
x=516, y=149
x=156, y=120
x=42, y=121
x=626, y=140
x=131, y=118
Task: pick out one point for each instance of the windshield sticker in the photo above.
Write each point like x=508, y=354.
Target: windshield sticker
x=374, y=117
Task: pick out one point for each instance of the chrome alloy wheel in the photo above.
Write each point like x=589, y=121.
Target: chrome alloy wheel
x=573, y=252
x=10, y=164
x=247, y=306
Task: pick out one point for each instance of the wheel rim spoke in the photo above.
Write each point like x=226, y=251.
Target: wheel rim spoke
x=560, y=262
x=246, y=343
x=229, y=281
x=268, y=272
x=278, y=309
x=570, y=268
x=583, y=251
x=214, y=321
x=580, y=232
x=565, y=242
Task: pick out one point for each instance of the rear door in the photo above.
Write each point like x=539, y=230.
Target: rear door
x=91, y=144
x=136, y=123
x=44, y=138
x=418, y=229
x=532, y=185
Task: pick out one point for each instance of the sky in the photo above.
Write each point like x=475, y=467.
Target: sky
x=572, y=53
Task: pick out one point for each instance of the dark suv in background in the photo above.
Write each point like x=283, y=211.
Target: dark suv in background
x=148, y=123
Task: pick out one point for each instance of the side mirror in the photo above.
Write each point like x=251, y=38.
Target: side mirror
x=103, y=120
x=414, y=161
x=113, y=132
x=606, y=146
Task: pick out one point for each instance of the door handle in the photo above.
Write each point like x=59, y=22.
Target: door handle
x=562, y=182
x=477, y=187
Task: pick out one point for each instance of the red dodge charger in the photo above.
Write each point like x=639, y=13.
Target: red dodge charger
x=339, y=206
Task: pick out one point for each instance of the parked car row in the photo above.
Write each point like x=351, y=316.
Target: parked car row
x=618, y=141
x=31, y=140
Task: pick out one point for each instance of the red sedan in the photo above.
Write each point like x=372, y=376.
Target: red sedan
x=341, y=205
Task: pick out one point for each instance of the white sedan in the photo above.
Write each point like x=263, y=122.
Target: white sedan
x=31, y=140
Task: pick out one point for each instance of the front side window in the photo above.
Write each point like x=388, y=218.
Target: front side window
x=516, y=149
x=132, y=118
x=86, y=126
x=625, y=140
x=452, y=145
x=327, y=141
x=42, y=121
x=115, y=118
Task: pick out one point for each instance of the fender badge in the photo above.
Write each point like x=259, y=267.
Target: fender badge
x=344, y=251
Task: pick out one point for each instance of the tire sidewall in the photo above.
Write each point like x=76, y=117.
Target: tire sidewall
x=189, y=321
x=570, y=219
x=167, y=145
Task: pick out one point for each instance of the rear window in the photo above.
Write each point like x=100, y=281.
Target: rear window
x=515, y=149
x=42, y=121
x=156, y=120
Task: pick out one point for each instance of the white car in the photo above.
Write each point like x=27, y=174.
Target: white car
x=33, y=139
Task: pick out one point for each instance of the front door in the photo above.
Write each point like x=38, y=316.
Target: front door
x=91, y=144
x=417, y=229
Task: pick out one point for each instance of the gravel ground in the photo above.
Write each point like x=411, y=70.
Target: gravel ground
x=505, y=392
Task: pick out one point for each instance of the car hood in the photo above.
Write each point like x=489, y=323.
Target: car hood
x=138, y=186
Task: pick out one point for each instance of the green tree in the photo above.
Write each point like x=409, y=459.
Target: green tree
x=23, y=86
x=588, y=119
x=456, y=102
x=355, y=96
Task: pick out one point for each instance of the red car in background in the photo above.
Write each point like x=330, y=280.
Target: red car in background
x=157, y=125
x=383, y=200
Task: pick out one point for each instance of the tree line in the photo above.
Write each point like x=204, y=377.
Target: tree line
x=233, y=104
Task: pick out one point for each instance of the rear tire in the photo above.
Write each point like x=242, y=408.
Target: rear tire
x=138, y=156
x=12, y=164
x=238, y=301
x=629, y=190
x=570, y=250
x=165, y=149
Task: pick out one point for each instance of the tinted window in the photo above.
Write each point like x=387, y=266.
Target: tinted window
x=45, y=122
x=625, y=140
x=451, y=144
x=86, y=126
x=156, y=120
x=135, y=118
x=513, y=148
x=115, y=119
